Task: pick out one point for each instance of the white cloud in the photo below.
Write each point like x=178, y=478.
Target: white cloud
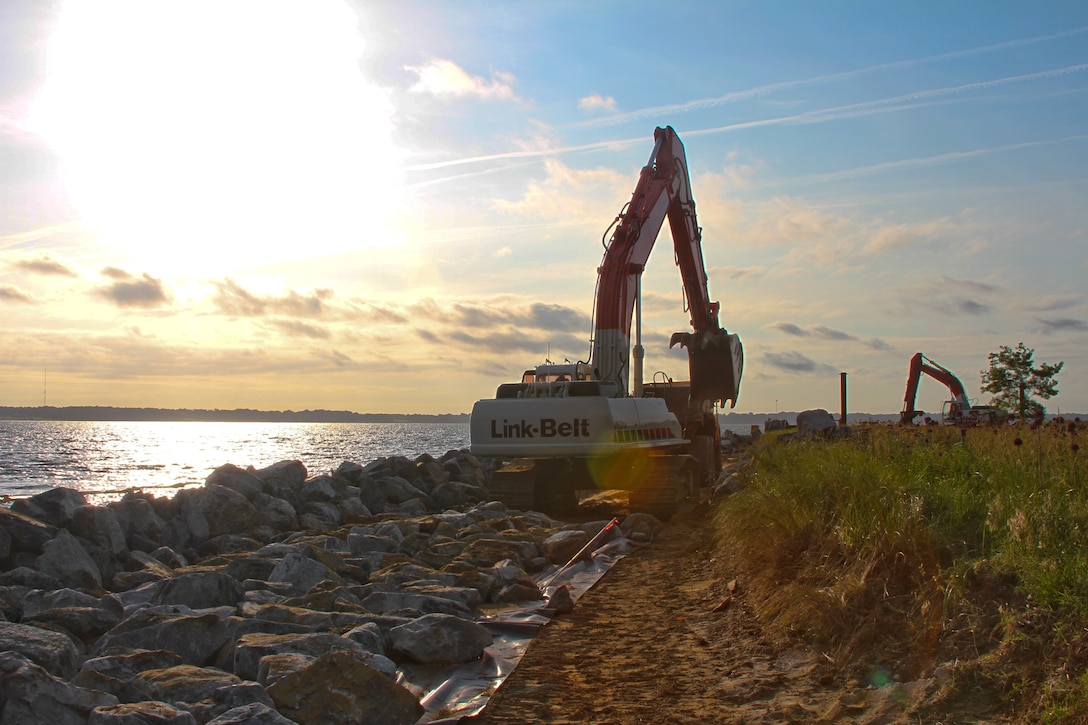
x=896, y=237
x=446, y=78
x=571, y=196
x=597, y=102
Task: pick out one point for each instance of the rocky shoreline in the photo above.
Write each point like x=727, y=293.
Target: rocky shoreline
x=266, y=595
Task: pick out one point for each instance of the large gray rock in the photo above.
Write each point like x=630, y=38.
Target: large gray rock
x=228, y=544
x=561, y=546
x=37, y=600
x=392, y=529
x=434, y=473
x=190, y=503
x=176, y=534
x=26, y=576
x=252, y=714
x=65, y=558
x=27, y=534
x=488, y=551
x=640, y=526
x=511, y=583
x=352, y=508
x=169, y=557
x=195, y=638
x=308, y=618
x=370, y=493
x=85, y=623
x=151, y=712
x=229, y=697
x=226, y=510
x=138, y=519
x=338, y=688
x=256, y=566
x=814, y=421
x=398, y=490
x=362, y=543
x=251, y=648
x=99, y=525
x=320, y=516
x=55, y=506
x=468, y=597
x=438, y=639
x=412, y=604
x=274, y=666
x=244, y=482
x=184, y=683
x=318, y=488
x=367, y=635
x=301, y=572
x=454, y=494
x=127, y=664
x=12, y=602
x=276, y=513
x=144, y=561
x=200, y=590
x=413, y=507
x=50, y=650
x=291, y=473
x=30, y=694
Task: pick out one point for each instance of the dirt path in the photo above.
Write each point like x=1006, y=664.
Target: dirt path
x=667, y=637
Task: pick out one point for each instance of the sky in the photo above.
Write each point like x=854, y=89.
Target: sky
x=393, y=206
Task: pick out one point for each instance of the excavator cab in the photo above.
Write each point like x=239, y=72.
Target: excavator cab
x=715, y=364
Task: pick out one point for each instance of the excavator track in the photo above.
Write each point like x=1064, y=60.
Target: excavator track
x=536, y=485
x=662, y=492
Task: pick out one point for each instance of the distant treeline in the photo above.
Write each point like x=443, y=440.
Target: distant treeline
x=239, y=415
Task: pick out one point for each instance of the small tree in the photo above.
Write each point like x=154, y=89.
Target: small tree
x=1015, y=381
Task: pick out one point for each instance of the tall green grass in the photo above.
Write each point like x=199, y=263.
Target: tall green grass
x=900, y=543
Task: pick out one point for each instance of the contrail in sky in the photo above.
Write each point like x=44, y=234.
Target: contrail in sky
x=536, y=153
x=882, y=105
x=24, y=239
x=770, y=88
x=931, y=160
x=892, y=103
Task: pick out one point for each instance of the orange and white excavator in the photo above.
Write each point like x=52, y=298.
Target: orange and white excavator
x=596, y=424
x=957, y=411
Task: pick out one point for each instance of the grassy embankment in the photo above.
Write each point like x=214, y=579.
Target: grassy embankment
x=899, y=553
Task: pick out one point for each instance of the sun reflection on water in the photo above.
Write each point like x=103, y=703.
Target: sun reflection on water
x=104, y=459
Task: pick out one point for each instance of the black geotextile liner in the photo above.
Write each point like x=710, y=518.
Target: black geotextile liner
x=449, y=694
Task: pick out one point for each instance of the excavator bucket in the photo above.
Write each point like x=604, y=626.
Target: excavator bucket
x=715, y=364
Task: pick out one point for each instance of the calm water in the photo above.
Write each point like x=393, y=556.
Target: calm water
x=104, y=459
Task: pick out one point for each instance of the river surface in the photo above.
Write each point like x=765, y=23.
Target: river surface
x=104, y=459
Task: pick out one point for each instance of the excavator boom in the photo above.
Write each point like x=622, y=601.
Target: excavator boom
x=663, y=191
x=958, y=409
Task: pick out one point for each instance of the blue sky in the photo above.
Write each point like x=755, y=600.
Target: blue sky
x=396, y=206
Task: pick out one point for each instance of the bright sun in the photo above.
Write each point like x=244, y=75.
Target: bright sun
x=213, y=135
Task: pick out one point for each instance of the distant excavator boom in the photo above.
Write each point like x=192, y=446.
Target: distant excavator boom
x=958, y=409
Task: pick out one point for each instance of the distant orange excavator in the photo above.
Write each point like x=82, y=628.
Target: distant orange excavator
x=958, y=410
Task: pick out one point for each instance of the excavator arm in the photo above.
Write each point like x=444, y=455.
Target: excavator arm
x=663, y=191
x=919, y=364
